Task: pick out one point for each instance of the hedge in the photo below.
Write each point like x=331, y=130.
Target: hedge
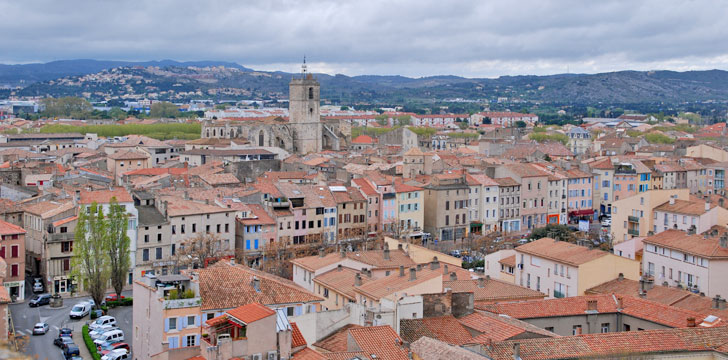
x=123, y=302
x=90, y=344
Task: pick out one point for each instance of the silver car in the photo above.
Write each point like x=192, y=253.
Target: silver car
x=40, y=329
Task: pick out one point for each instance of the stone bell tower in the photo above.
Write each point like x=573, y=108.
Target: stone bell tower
x=304, y=100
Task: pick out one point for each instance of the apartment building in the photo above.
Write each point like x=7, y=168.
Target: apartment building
x=36, y=220
x=579, y=194
x=58, y=252
x=351, y=210
x=373, y=206
x=446, y=217
x=486, y=201
x=602, y=196
x=674, y=176
x=509, y=205
x=534, y=191
x=561, y=269
x=695, y=262
x=410, y=201
x=694, y=215
x=633, y=216
x=12, y=250
x=124, y=161
x=557, y=186
x=254, y=231
x=154, y=239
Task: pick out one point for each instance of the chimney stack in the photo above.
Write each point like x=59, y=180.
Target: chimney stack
x=413, y=274
x=724, y=240
x=672, y=200
x=591, y=305
x=621, y=276
x=691, y=322
x=386, y=254
x=444, y=269
x=343, y=253
x=339, y=268
x=321, y=252
x=481, y=282
x=643, y=294
x=256, y=284
x=399, y=247
x=369, y=273
x=620, y=302
x=434, y=265
x=357, y=280
x=401, y=270
x=707, y=205
x=516, y=351
x=453, y=276
x=419, y=267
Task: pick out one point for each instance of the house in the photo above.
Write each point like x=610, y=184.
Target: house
x=12, y=250
x=255, y=231
x=561, y=269
x=36, y=219
x=486, y=201
x=370, y=342
x=695, y=214
x=124, y=161
x=633, y=216
x=579, y=140
x=533, y=194
x=154, y=240
x=351, y=210
x=250, y=331
x=362, y=142
x=695, y=262
x=409, y=201
x=58, y=251
x=446, y=197
x=579, y=197
x=509, y=207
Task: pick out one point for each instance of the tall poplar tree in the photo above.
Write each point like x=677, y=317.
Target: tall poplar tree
x=90, y=263
x=118, y=244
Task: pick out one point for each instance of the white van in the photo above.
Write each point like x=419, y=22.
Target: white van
x=80, y=310
x=110, y=337
x=96, y=333
x=117, y=354
x=104, y=320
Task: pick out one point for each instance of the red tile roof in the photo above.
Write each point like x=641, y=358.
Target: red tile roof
x=493, y=290
x=296, y=336
x=561, y=251
x=308, y=354
x=365, y=187
x=444, y=328
x=250, y=313
x=379, y=340
x=363, y=139
x=336, y=341
x=692, y=244
x=7, y=228
x=104, y=196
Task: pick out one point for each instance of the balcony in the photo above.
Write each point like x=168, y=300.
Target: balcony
x=278, y=203
x=56, y=237
x=182, y=303
x=559, y=294
x=633, y=232
x=633, y=219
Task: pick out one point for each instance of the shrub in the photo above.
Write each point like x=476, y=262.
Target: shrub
x=90, y=344
x=188, y=294
x=112, y=303
x=127, y=302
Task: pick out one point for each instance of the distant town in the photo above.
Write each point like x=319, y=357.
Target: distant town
x=143, y=222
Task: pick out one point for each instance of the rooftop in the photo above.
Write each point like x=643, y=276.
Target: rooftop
x=561, y=251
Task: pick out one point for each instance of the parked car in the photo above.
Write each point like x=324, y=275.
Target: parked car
x=118, y=354
x=65, y=332
x=109, y=347
x=607, y=222
x=523, y=241
x=108, y=337
x=112, y=297
x=63, y=342
x=96, y=333
x=104, y=320
x=38, y=285
x=80, y=310
x=40, y=329
x=38, y=300
x=71, y=351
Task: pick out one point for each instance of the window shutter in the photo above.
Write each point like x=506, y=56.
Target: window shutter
x=197, y=340
x=197, y=320
x=166, y=325
x=183, y=321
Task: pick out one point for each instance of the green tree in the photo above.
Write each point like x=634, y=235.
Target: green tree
x=554, y=231
x=69, y=106
x=382, y=120
x=487, y=121
x=164, y=109
x=118, y=245
x=344, y=108
x=117, y=114
x=404, y=120
x=462, y=125
x=519, y=124
x=90, y=264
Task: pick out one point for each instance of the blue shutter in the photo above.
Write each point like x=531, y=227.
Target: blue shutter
x=197, y=340
x=183, y=322
x=247, y=244
x=166, y=325
x=172, y=342
x=197, y=320
x=256, y=244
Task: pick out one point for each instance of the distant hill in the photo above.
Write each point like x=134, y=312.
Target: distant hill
x=178, y=81
x=25, y=74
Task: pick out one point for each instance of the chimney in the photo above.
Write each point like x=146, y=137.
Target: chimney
x=444, y=269
x=672, y=200
x=591, y=305
x=724, y=241
x=413, y=274
x=357, y=280
x=434, y=265
x=621, y=276
x=715, y=303
x=322, y=252
x=453, y=276
x=369, y=273
x=691, y=322
x=256, y=284
x=339, y=268
x=516, y=351
x=720, y=202
x=643, y=294
x=187, y=195
x=343, y=254
x=620, y=302
x=419, y=267
x=401, y=270
x=707, y=205
x=399, y=247
x=481, y=282
x=386, y=254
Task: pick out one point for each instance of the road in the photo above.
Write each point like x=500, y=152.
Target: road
x=41, y=346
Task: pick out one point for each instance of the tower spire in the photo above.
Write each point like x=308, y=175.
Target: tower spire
x=304, y=68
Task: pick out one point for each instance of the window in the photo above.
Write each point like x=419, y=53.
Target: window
x=576, y=330
x=146, y=238
x=627, y=327
x=158, y=253
x=549, y=328
x=194, y=228
x=218, y=228
x=182, y=229
x=66, y=264
x=326, y=293
x=605, y=328
x=14, y=270
x=172, y=323
x=159, y=237
x=145, y=255
x=190, y=340
x=227, y=227
x=66, y=246
x=174, y=229
x=191, y=320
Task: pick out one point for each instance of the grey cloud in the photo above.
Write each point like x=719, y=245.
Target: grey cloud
x=472, y=38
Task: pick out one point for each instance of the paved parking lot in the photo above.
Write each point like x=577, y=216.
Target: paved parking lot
x=41, y=346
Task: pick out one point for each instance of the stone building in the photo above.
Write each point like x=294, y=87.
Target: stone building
x=304, y=132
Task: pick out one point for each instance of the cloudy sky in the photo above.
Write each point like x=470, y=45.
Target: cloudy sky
x=479, y=38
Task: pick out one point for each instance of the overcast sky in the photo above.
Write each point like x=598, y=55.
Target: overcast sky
x=479, y=38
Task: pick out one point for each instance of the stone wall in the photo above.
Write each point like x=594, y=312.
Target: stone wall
x=247, y=171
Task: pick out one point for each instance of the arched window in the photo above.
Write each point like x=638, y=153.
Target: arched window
x=310, y=111
x=260, y=138
x=310, y=93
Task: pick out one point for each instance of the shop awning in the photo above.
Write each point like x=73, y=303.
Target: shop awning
x=581, y=212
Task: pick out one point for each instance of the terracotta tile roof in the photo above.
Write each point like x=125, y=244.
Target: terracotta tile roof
x=348, y=355
x=365, y=187
x=444, y=328
x=128, y=155
x=341, y=280
x=617, y=344
x=561, y=251
x=65, y=221
x=308, y=354
x=493, y=290
x=491, y=326
x=484, y=180
x=250, y=312
x=374, y=258
x=400, y=187
x=157, y=171
x=225, y=286
x=693, y=244
x=336, y=341
x=296, y=336
x=382, y=287
x=571, y=306
x=104, y=196
x=7, y=228
x=47, y=209
x=220, y=179
x=379, y=340
x=180, y=207
x=672, y=296
x=687, y=207
x=363, y=139
x=432, y=349
x=507, y=182
x=262, y=217
x=508, y=261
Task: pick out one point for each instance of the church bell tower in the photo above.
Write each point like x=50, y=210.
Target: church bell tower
x=304, y=101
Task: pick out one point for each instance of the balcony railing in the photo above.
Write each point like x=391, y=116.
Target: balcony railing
x=559, y=294
x=60, y=237
x=633, y=219
x=182, y=303
x=634, y=232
